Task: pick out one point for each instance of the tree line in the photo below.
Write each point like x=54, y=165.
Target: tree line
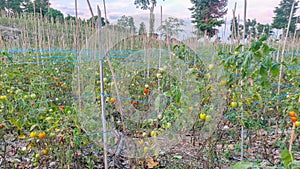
x=42, y=7
x=207, y=16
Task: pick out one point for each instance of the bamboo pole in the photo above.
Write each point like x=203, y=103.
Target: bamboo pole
x=77, y=56
x=242, y=108
x=90, y=7
x=294, y=39
x=105, y=15
x=102, y=89
x=224, y=34
x=283, y=49
x=233, y=32
x=292, y=137
x=92, y=13
x=238, y=31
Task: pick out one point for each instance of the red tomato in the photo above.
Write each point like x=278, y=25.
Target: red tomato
x=294, y=119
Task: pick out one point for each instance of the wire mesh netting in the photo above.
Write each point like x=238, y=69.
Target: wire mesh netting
x=153, y=96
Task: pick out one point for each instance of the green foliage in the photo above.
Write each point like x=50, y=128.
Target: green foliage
x=171, y=26
x=127, y=22
x=142, y=29
x=206, y=14
x=255, y=62
x=282, y=15
x=145, y=5
x=55, y=14
x=12, y=6
x=69, y=17
x=243, y=165
x=38, y=6
x=237, y=30
x=254, y=29
x=103, y=22
x=19, y=6
x=288, y=160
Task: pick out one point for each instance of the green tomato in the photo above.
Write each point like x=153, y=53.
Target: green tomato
x=144, y=134
x=159, y=117
x=35, y=164
x=169, y=125
x=240, y=104
x=208, y=118
x=233, y=104
x=153, y=133
x=162, y=70
x=159, y=76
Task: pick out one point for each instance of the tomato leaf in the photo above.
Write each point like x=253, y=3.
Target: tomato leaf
x=263, y=71
x=32, y=127
x=275, y=68
x=255, y=46
x=286, y=158
x=242, y=165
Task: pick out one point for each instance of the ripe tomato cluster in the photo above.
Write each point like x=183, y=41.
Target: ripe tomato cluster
x=293, y=116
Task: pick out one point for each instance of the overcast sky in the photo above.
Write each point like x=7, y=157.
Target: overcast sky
x=262, y=10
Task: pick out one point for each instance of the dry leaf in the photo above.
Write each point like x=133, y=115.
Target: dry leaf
x=151, y=163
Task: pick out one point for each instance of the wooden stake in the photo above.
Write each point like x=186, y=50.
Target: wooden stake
x=105, y=15
x=292, y=137
x=242, y=115
x=102, y=88
x=233, y=32
x=90, y=7
x=283, y=49
x=294, y=39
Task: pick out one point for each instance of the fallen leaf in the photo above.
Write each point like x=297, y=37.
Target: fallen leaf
x=151, y=163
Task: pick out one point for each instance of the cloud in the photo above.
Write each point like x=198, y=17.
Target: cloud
x=262, y=10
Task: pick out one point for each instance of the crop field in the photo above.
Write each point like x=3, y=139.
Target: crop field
x=81, y=96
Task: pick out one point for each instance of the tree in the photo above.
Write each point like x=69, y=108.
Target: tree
x=264, y=29
x=103, y=22
x=12, y=6
x=37, y=6
x=69, y=18
x=251, y=28
x=236, y=28
x=142, y=29
x=148, y=5
x=127, y=22
x=171, y=27
x=55, y=14
x=282, y=14
x=19, y=6
x=254, y=29
x=206, y=15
